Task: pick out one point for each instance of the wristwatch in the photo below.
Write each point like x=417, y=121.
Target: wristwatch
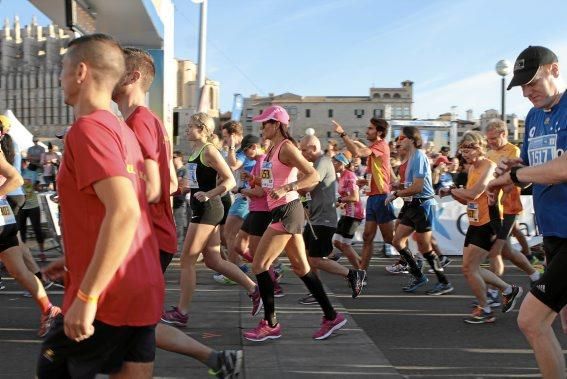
x=342, y=135
x=514, y=175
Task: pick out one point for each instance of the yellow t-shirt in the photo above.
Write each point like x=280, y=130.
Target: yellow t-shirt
x=511, y=201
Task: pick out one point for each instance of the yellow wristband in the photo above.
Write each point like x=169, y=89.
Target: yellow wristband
x=86, y=298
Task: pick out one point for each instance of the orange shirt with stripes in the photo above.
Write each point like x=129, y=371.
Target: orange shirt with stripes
x=477, y=210
x=378, y=166
x=511, y=201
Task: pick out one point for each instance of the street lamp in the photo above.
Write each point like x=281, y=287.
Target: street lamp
x=503, y=68
x=202, y=59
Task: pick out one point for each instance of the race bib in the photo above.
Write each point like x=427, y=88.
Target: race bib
x=542, y=149
x=407, y=198
x=472, y=212
x=192, y=175
x=308, y=196
x=266, y=175
x=7, y=216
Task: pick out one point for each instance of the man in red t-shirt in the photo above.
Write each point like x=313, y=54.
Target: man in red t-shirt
x=378, y=214
x=113, y=287
x=161, y=180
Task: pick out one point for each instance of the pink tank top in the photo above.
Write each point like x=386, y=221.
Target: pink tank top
x=275, y=174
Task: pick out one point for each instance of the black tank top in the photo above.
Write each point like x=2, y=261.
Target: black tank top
x=201, y=177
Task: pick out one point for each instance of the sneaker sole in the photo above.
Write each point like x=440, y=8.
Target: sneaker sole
x=441, y=292
x=520, y=293
x=411, y=290
x=355, y=295
x=263, y=339
x=174, y=323
x=305, y=303
x=279, y=295
x=486, y=321
x=336, y=327
x=397, y=272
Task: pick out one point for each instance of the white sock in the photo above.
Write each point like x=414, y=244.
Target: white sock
x=507, y=291
x=493, y=292
x=487, y=309
x=535, y=276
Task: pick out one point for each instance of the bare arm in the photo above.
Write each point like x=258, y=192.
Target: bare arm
x=153, y=181
x=13, y=178
x=290, y=156
x=226, y=180
x=551, y=172
x=470, y=194
x=415, y=188
x=173, y=180
x=257, y=191
x=354, y=148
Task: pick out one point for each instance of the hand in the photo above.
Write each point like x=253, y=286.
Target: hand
x=201, y=196
x=340, y=205
x=278, y=193
x=337, y=127
x=506, y=165
x=361, y=182
x=445, y=191
x=78, y=321
x=503, y=182
x=55, y=270
x=391, y=197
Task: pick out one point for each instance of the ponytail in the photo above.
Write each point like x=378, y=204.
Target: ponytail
x=284, y=130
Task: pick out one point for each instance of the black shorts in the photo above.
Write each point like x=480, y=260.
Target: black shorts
x=8, y=237
x=165, y=259
x=551, y=288
x=346, y=228
x=16, y=202
x=321, y=244
x=291, y=215
x=506, y=228
x=226, y=203
x=104, y=352
x=210, y=212
x=482, y=236
x=418, y=216
x=256, y=223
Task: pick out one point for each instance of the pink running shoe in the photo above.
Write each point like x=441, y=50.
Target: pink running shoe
x=47, y=319
x=329, y=326
x=263, y=332
x=256, y=301
x=278, y=290
x=174, y=317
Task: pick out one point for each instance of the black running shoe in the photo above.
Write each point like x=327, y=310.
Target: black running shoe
x=508, y=301
x=231, y=364
x=355, y=280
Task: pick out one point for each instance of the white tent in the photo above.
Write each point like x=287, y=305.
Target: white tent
x=19, y=133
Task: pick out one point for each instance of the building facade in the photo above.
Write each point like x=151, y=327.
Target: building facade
x=352, y=112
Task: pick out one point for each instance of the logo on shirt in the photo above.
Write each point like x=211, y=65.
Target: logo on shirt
x=130, y=169
x=532, y=132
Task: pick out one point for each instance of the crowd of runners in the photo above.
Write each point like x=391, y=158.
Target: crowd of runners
x=129, y=204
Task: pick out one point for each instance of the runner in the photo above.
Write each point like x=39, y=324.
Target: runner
x=481, y=233
x=322, y=222
x=11, y=252
x=110, y=260
x=417, y=214
x=537, y=71
x=378, y=214
x=279, y=179
x=130, y=95
x=203, y=235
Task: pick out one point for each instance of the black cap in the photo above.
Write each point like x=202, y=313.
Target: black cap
x=248, y=140
x=528, y=62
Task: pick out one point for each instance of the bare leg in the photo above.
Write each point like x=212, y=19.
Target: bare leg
x=174, y=340
x=131, y=370
x=329, y=266
x=370, y=228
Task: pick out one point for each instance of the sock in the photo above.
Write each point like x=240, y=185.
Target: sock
x=487, y=309
x=410, y=260
x=535, y=276
x=266, y=286
x=44, y=304
x=493, y=292
x=315, y=286
x=435, y=264
x=507, y=291
x=213, y=361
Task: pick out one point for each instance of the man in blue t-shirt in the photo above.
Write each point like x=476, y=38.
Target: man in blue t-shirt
x=543, y=163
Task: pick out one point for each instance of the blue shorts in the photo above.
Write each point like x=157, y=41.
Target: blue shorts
x=377, y=211
x=239, y=208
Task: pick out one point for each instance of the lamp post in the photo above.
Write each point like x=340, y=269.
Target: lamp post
x=202, y=59
x=503, y=68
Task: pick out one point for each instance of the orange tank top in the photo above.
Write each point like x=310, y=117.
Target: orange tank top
x=477, y=210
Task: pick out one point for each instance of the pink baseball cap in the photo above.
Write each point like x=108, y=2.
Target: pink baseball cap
x=274, y=112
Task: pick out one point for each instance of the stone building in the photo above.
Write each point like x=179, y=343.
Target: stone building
x=353, y=112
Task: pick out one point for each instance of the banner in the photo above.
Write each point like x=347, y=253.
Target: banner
x=237, y=105
x=451, y=225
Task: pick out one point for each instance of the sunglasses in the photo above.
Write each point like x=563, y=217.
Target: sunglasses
x=468, y=147
x=398, y=146
x=401, y=138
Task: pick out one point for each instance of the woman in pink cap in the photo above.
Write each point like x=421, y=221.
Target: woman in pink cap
x=278, y=177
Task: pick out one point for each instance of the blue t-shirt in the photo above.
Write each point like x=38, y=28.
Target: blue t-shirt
x=544, y=140
x=247, y=165
x=419, y=168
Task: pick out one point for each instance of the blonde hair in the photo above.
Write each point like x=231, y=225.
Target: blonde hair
x=474, y=138
x=205, y=123
x=497, y=125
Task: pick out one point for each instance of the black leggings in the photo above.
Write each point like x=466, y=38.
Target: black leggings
x=34, y=215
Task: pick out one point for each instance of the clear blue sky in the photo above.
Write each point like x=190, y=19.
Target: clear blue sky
x=343, y=47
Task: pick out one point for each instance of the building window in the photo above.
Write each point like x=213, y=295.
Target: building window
x=397, y=96
x=407, y=112
x=376, y=96
x=249, y=114
x=386, y=96
x=308, y=113
x=359, y=113
x=330, y=113
x=379, y=113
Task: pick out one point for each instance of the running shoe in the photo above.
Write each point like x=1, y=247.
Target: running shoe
x=48, y=284
x=308, y=300
x=2, y=285
x=221, y=279
x=174, y=317
x=414, y=284
x=231, y=364
x=335, y=256
x=27, y=294
x=420, y=262
x=256, y=301
x=329, y=326
x=492, y=300
x=263, y=332
x=278, y=290
x=508, y=301
x=444, y=263
x=47, y=319
x=440, y=289
x=479, y=316
x=355, y=279
x=397, y=268
x=279, y=269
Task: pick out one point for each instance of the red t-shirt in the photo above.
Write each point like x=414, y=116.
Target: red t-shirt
x=97, y=147
x=379, y=167
x=154, y=143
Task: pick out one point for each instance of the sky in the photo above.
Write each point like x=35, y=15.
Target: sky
x=448, y=48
